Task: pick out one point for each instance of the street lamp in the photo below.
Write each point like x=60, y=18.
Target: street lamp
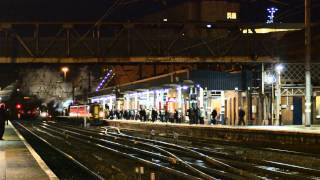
x=65, y=70
x=279, y=68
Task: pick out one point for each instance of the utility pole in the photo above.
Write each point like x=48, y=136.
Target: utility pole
x=278, y=99
x=308, y=90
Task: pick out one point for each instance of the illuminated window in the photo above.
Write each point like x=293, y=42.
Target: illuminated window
x=231, y=15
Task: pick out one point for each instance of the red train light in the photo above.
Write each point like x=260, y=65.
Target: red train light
x=18, y=106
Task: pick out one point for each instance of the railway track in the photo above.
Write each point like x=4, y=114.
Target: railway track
x=179, y=161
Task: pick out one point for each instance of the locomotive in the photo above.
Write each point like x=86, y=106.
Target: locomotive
x=91, y=111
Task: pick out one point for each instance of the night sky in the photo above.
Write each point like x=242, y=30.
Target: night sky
x=90, y=10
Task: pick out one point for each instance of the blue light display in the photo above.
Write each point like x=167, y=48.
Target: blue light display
x=271, y=14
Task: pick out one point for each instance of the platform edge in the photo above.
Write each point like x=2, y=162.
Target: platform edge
x=36, y=156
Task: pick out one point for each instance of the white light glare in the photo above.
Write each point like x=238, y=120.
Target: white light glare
x=279, y=68
x=270, y=79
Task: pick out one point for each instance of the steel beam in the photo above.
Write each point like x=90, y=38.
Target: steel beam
x=24, y=45
x=158, y=59
x=146, y=42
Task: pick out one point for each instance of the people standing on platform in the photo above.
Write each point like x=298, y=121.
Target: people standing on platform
x=124, y=115
x=137, y=115
x=191, y=114
x=171, y=117
x=143, y=115
x=117, y=113
x=148, y=114
x=2, y=121
x=166, y=115
x=154, y=115
x=197, y=115
x=121, y=114
x=202, y=115
x=176, y=116
x=140, y=115
x=241, y=117
x=132, y=114
x=214, y=114
x=106, y=113
x=111, y=114
x=161, y=115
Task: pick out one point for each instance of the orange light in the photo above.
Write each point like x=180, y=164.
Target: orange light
x=65, y=69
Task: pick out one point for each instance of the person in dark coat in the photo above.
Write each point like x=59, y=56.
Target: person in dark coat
x=161, y=114
x=197, y=115
x=214, y=114
x=154, y=115
x=176, y=116
x=2, y=121
x=111, y=114
x=241, y=117
x=125, y=115
x=166, y=116
x=191, y=115
x=143, y=115
x=117, y=113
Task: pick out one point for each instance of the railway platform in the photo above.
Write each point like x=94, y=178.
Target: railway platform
x=286, y=137
x=18, y=160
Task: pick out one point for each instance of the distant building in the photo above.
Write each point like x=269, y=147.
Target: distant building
x=198, y=10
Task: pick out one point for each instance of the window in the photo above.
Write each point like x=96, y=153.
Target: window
x=231, y=15
x=318, y=107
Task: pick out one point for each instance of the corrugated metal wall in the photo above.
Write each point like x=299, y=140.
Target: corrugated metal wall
x=214, y=80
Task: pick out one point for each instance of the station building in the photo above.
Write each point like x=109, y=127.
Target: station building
x=180, y=90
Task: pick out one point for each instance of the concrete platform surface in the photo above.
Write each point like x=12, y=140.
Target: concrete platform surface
x=284, y=129
x=299, y=138
x=19, y=161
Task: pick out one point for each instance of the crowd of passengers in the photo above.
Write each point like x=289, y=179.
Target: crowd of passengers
x=196, y=115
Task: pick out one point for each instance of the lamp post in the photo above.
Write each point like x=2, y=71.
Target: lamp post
x=279, y=69
x=65, y=70
x=308, y=90
x=270, y=79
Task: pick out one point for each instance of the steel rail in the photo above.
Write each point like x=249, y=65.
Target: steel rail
x=263, y=162
x=200, y=155
x=247, y=166
x=266, y=163
x=94, y=174
x=210, y=160
x=172, y=158
x=166, y=169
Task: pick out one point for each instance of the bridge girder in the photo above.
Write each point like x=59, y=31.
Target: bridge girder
x=136, y=42
x=146, y=59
